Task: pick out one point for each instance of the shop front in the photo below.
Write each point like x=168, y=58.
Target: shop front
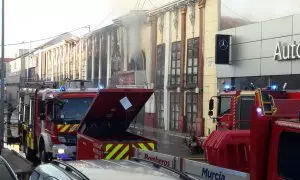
x=265, y=53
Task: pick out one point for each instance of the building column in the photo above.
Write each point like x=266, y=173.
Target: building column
x=64, y=62
x=86, y=58
x=74, y=62
x=52, y=64
x=108, y=60
x=40, y=66
x=80, y=60
x=181, y=117
x=93, y=60
x=167, y=34
x=46, y=65
x=200, y=119
x=68, y=54
x=153, y=48
x=100, y=49
x=59, y=59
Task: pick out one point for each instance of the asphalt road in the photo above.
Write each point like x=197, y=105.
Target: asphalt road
x=168, y=142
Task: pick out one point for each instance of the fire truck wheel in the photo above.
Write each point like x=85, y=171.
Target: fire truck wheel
x=43, y=155
x=28, y=152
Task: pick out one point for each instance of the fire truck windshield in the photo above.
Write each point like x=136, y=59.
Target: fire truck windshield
x=224, y=105
x=72, y=109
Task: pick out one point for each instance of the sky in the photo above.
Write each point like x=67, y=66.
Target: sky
x=28, y=20
x=260, y=10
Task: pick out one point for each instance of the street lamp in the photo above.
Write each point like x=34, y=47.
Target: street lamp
x=2, y=83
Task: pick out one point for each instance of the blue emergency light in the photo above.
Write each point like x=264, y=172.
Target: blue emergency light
x=100, y=86
x=64, y=157
x=62, y=88
x=274, y=87
x=227, y=86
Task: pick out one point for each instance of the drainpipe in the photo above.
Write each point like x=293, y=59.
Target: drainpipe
x=182, y=65
x=153, y=47
x=200, y=119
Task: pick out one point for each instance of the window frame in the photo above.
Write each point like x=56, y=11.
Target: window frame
x=159, y=99
x=160, y=66
x=174, y=78
x=174, y=100
x=192, y=61
x=194, y=101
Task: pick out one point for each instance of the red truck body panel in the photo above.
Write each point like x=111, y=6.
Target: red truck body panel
x=229, y=149
x=102, y=133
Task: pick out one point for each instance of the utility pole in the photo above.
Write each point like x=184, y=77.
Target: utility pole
x=2, y=84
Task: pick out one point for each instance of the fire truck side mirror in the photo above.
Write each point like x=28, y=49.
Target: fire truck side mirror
x=211, y=104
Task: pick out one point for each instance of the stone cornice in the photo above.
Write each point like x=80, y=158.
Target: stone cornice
x=172, y=6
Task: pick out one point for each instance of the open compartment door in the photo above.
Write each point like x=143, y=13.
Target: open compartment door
x=112, y=111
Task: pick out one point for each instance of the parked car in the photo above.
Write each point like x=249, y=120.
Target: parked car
x=135, y=169
x=6, y=171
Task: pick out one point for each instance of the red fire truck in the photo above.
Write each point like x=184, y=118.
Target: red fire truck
x=102, y=132
x=232, y=112
x=49, y=118
x=269, y=150
x=274, y=139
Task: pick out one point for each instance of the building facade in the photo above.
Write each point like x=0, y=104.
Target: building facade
x=183, y=74
x=265, y=53
x=170, y=49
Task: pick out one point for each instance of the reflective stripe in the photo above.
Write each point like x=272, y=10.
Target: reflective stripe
x=30, y=140
x=114, y=150
x=67, y=128
x=151, y=145
x=108, y=147
x=144, y=146
x=124, y=151
x=117, y=151
x=73, y=128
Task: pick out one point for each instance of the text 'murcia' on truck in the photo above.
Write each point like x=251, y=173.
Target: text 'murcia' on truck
x=49, y=118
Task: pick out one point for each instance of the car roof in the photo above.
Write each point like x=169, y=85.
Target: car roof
x=123, y=169
x=111, y=170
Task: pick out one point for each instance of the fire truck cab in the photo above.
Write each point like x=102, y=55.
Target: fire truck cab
x=48, y=120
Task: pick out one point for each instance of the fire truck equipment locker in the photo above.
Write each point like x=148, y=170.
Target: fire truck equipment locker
x=102, y=132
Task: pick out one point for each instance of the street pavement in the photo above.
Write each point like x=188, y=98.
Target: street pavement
x=168, y=142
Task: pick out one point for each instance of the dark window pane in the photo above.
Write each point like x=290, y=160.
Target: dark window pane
x=288, y=155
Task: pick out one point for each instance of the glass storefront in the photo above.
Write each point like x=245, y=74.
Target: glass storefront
x=293, y=82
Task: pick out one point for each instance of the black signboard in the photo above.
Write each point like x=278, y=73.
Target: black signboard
x=223, y=49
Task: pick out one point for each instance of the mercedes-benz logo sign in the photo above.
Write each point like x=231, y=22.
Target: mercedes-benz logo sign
x=223, y=44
